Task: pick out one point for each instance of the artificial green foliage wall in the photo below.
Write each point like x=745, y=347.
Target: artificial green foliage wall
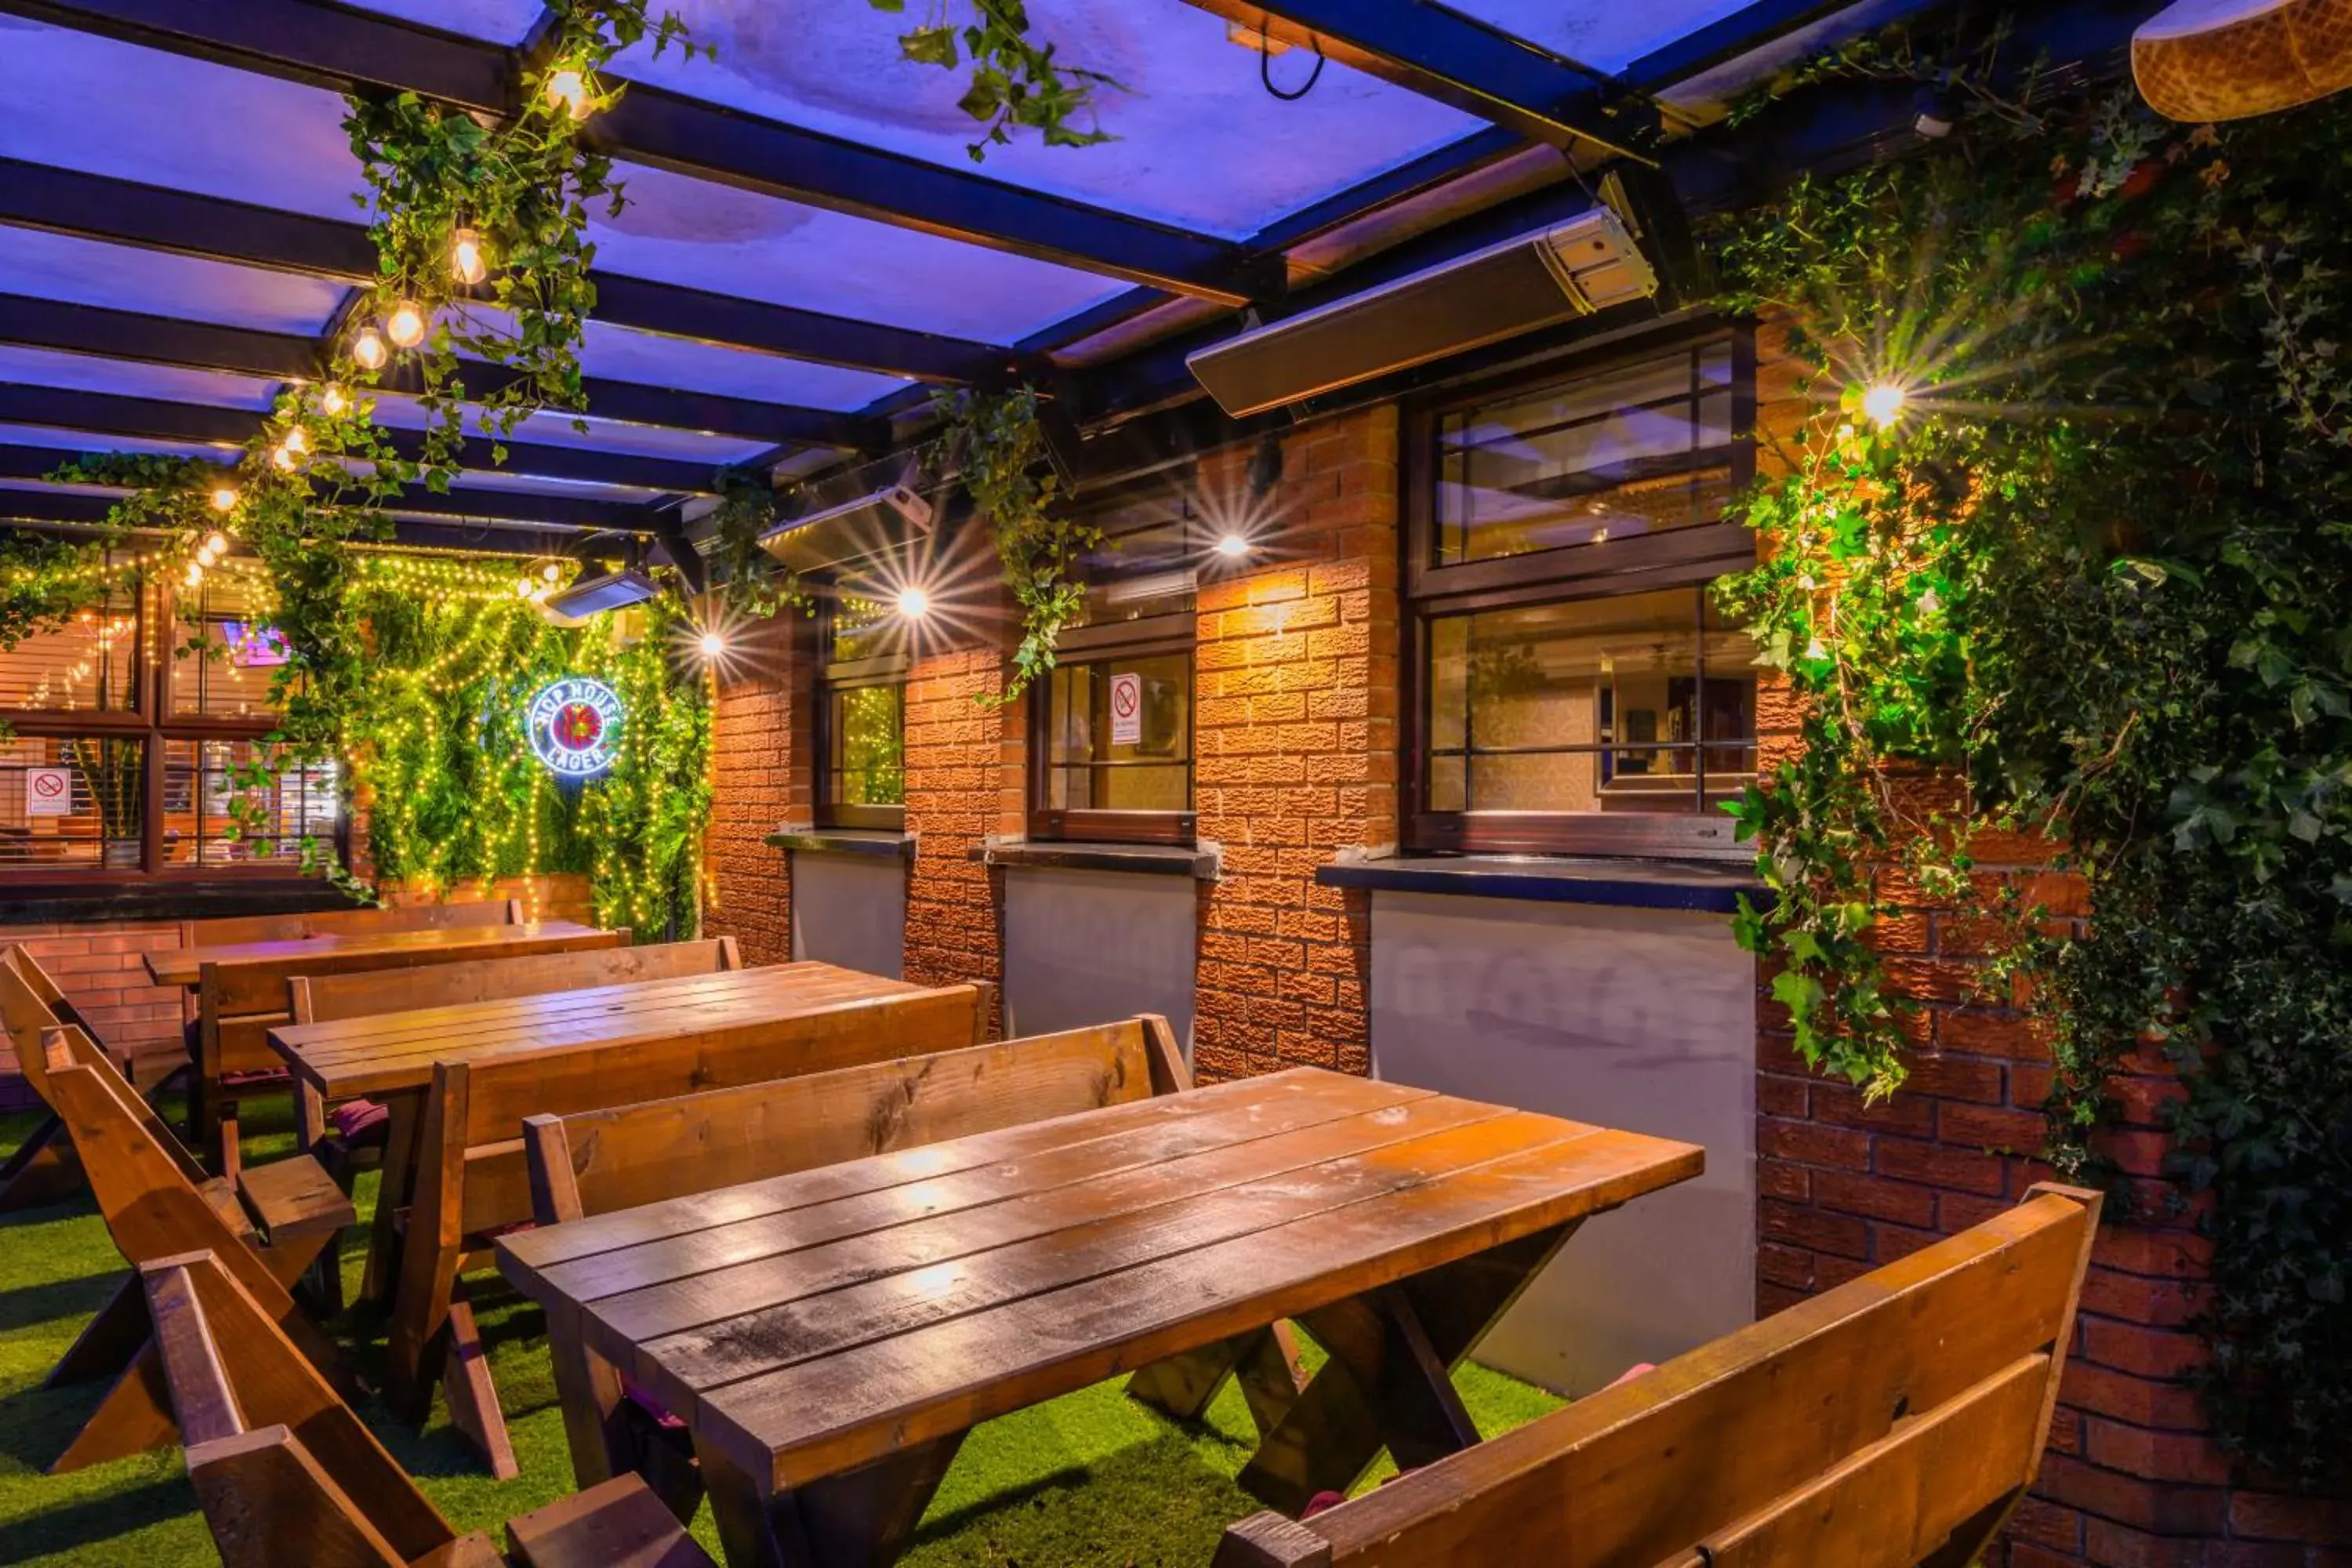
x=2099, y=564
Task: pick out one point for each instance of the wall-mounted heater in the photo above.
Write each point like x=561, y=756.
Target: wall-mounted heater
x=596, y=594
x=1575, y=268
x=860, y=530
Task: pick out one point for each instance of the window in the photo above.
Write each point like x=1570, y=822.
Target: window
x=1573, y=688
x=132, y=742
x=1111, y=741
x=862, y=717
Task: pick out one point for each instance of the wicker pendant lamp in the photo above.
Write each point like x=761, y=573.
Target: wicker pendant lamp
x=2228, y=59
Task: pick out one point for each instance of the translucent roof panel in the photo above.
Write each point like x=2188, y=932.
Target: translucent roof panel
x=538, y=484
x=1599, y=33
x=83, y=441
x=626, y=355
x=602, y=435
x=85, y=272
x=1201, y=144
x=79, y=101
x=701, y=234
x=125, y=378
x=498, y=21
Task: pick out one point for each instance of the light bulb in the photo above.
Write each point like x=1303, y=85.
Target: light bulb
x=913, y=604
x=1883, y=404
x=713, y=645
x=331, y=400
x=522, y=587
x=368, y=348
x=466, y=257
x=551, y=571
x=1233, y=546
x=207, y=556
x=405, y=325
x=298, y=440
x=568, y=90
x=195, y=573
x=218, y=544
x=285, y=459
x=224, y=497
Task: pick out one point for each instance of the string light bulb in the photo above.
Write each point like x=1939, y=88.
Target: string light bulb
x=568, y=90
x=405, y=325
x=224, y=497
x=298, y=440
x=1881, y=404
x=331, y=400
x=217, y=543
x=285, y=458
x=368, y=349
x=550, y=572
x=466, y=260
x=195, y=573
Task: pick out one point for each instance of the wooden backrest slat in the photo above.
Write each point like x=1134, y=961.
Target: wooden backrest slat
x=324, y=998
x=235, y=928
x=1954, y=1350
x=261, y=1490
x=76, y=1045
x=504, y=1089
x=258, y=988
x=26, y=1014
x=274, y=1387
x=598, y=1161
x=201, y=1396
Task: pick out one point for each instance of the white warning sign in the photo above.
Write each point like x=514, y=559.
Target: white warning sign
x=48, y=792
x=1126, y=709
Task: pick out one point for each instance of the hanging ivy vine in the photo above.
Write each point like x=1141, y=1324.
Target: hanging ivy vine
x=1016, y=83
x=2092, y=565
x=994, y=442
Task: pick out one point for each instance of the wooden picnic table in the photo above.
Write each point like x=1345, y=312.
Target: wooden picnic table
x=829, y=1336
x=375, y=950
x=389, y=1056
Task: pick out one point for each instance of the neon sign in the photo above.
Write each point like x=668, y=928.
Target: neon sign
x=573, y=725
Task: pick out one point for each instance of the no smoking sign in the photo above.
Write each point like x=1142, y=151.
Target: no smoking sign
x=1126, y=709
x=48, y=792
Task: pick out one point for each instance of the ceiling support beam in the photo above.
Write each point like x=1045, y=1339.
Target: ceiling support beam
x=28, y=322
x=71, y=512
x=332, y=46
x=122, y=212
x=157, y=419
x=1459, y=61
x=520, y=507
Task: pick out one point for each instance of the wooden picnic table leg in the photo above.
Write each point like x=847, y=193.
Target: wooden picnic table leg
x=607, y=1434
x=392, y=1194
x=1265, y=1359
x=43, y=1170
x=862, y=1518
x=1387, y=1383
x=109, y=1341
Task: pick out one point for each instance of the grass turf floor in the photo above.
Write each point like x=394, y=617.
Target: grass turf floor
x=1091, y=1480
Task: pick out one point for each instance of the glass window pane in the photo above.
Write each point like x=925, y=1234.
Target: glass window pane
x=1640, y=448
x=868, y=728
x=1590, y=705
x=91, y=663
x=224, y=656
x=203, y=781
x=71, y=802
x=864, y=628
x=1146, y=564
x=1089, y=766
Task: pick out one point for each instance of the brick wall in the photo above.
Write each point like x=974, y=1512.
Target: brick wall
x=1296, y=735
x=760, y=779
x=965, y=771
x=101, y=966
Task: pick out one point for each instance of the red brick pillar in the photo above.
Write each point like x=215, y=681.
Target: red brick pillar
x=964, y=783
x=1296, y=737
x=760, y=779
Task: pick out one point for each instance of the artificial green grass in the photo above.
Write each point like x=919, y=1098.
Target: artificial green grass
x=1092, y=1480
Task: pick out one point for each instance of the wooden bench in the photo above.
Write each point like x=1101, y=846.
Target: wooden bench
x=285, y=1472
x=268, y=1224
x=320, y=999
x=471, y=1180
x=596, y=1162
x=44, y=1169
x=1893, y=1421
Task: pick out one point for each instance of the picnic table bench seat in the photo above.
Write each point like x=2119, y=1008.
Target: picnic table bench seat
x=286, y=1472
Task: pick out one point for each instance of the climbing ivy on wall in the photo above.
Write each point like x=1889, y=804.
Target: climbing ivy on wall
x=2093, y=564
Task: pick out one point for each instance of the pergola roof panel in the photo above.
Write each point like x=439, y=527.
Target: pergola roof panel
x=88, y=272
x=42, y=435
x=495, y=21
x=131, y=378
x=1200, y=144
x=622, y=354
x=556, y=429
x=1599, y=33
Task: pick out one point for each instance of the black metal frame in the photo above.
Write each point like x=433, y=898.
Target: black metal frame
x=835, y=675
x=1688, y=557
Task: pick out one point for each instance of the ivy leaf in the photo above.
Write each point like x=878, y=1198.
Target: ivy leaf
x=930, y=46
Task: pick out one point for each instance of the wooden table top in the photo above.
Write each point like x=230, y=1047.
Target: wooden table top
x=816, y=1323
x=385, y=1053
x=183, y=966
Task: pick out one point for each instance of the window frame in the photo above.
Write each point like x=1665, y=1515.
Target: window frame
x=892, y=669
x=1678, y=558
x=1146, y=636
x=152, y=721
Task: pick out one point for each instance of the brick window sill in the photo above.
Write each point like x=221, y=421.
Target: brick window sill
x=1625, y=883
x=1201, y=862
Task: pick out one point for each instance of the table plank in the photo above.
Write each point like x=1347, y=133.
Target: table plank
x=872, y=1288
x=646, y=1247
x=831, y=1415
x=183, y=967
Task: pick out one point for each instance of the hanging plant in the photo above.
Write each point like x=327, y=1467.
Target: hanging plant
x=1016, y=83
x=480, y=229
x=751, y=584
x=994, y=442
